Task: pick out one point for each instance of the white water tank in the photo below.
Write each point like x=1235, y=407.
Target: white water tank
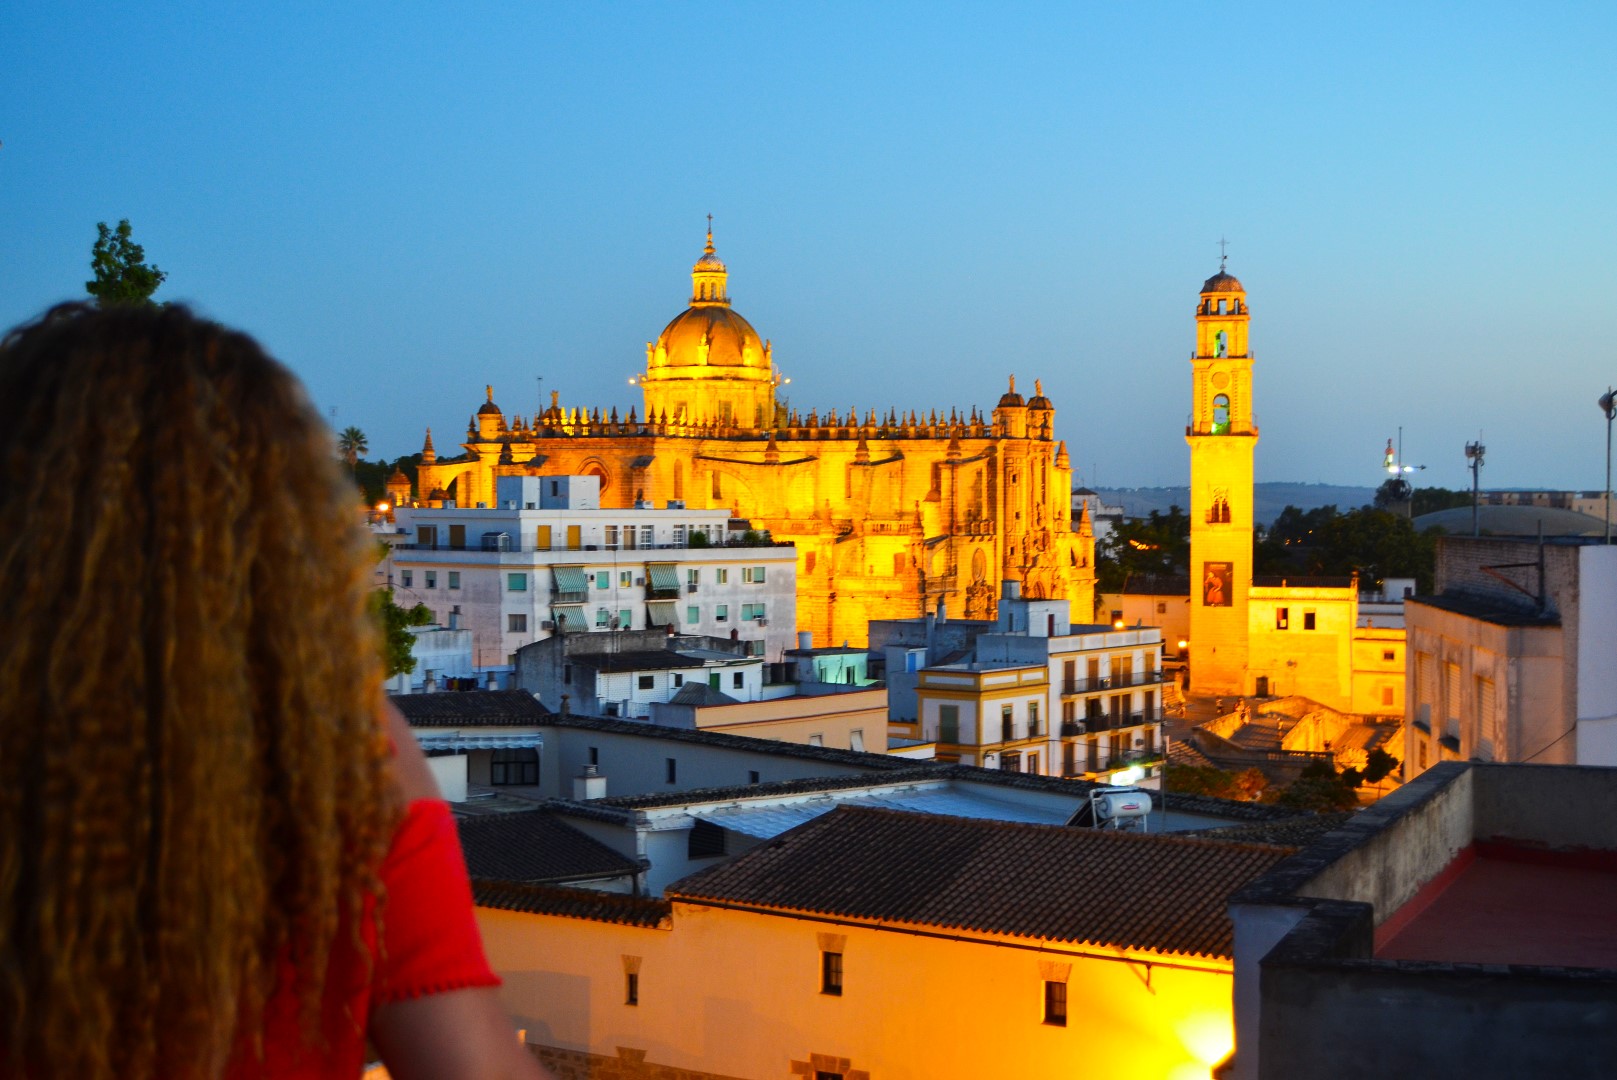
x=1125, y=803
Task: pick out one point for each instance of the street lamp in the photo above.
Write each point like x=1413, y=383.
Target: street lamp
x=1608, y=405
x=1473, y=454
x=1393, y=462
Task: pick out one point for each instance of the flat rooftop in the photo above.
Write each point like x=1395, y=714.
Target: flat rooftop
x=1509, y=904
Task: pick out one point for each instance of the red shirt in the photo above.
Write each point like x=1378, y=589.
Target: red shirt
x=431, y=946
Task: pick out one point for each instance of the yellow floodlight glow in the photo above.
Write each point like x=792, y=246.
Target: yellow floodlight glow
x=1208, y=1035
x=1131, y=775
x=382, y=508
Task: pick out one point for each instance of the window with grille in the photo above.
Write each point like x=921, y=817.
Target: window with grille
x=514, y=766
x=1055, y=1003
x=831, y=973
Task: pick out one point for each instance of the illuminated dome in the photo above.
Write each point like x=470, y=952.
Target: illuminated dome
x=488, y=408
x=709, y=336
x=709, y=333
x=1222, y=282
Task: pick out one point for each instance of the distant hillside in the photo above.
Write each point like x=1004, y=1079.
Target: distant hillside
x=1271, y=498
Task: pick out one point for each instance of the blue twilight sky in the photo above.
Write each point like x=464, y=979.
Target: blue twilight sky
x=406, y=201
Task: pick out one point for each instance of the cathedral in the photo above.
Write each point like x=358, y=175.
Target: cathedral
x=892, y=515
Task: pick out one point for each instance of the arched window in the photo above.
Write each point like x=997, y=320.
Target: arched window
x=1221, y=341
x=1221, y=415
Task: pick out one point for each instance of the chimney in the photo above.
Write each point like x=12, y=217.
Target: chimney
x=566, y=706
x=805, y=639
x=454, y=620
x=1010, y=590
x=429, y=685
x=492, y=682
x=589, y=784
x=943, y=610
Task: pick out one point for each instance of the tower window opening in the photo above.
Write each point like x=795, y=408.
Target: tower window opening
x=1221, y=341
x=1221, y=307
x=1221, y=415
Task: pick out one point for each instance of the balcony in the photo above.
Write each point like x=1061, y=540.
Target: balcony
x=1097, y=722
x=1112, y=682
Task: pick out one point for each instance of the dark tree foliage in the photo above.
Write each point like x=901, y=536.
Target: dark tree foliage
x=1153, y=546
x=1245, y=786
x=371, y=476
x=395, y=622
x=1317, y=793
x=1376, y=544
x=1421, y=500
x=122, y=275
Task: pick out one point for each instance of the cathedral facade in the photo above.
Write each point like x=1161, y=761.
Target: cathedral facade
x=891, y=515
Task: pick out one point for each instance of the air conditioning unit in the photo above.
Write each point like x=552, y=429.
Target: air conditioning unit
x=690, y=586
x=639, y=581
x=547, y=625
x=763, y=622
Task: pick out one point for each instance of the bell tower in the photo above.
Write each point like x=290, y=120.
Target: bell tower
x=1222, y=438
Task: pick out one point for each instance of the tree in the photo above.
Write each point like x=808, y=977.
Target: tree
x=1156, y=546
x=1375, y=544
x=395, y=622
x=1319, y=794
x=352, y=444
x=1422, y=500
x=121, y=273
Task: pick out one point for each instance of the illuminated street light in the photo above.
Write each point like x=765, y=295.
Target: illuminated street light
x=1393, y=461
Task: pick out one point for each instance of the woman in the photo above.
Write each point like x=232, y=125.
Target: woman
x=216, y=859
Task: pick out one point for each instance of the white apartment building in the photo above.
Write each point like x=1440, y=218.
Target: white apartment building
x=1511, y=659
x=1030, y=691
x=549, y=559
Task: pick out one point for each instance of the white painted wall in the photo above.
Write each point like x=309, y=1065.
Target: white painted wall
x=449, y=770
x=1597, y=655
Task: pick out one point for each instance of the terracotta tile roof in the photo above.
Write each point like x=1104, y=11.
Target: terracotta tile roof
x=1296, y=832
x=536, y=848
x=701, y=694
x=751, y=744
x=918, y=773
x=1122, y=890
x=638, y=660
x=574, y=903
x=472, y=708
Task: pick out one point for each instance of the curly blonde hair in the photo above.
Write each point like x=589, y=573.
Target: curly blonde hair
x=194, y=787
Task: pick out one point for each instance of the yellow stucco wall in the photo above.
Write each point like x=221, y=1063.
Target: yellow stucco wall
x=737, y=993
x=1316, y=663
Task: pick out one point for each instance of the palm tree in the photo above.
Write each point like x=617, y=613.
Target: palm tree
x=351, y=444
